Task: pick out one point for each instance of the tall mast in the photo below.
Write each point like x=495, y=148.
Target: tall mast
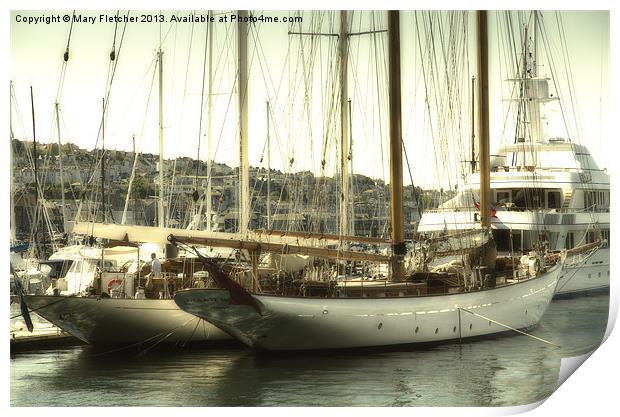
x=351, y=230
x=131, y=178
x=36, y=180
x=103, y=161
x=396, y=147
x=268, y=172
x=210, y=122
x=343, y=52
x=483, y=120
x=12, y=186
x=160, y=200
x=62, y=182
x=473, y=125
x=533, y=84
x=244, y=188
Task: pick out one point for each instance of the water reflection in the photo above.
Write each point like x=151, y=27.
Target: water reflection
x=504, y=371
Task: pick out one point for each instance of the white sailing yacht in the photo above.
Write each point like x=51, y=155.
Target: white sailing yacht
x=115, y=314
x=543, y=189
x=99, y=306
x=482, y=299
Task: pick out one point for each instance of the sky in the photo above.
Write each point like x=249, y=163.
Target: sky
x=299, y=84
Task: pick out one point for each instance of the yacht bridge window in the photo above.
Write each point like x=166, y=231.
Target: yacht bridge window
x=528, y=198
x=596, y=200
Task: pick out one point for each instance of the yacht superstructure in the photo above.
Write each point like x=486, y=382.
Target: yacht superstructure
x=550, y=193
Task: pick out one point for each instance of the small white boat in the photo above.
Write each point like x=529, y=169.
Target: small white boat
x=117, y=313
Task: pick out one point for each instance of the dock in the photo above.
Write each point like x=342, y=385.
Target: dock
x=22, y=340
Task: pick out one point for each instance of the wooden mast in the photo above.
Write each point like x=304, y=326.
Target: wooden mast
x=244, y=183
x=343, y=52
x=483, y=120
x=351, y=230
x=268, y=172
x=209, y=125
x=396, y=146
x=103, y=159
x=244, y=188
x=473, y=125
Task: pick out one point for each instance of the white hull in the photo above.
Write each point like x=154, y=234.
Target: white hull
x=112, y=321
x=588, y=275
x=289, y=323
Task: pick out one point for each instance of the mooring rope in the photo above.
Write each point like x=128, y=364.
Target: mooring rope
x=509, y=327
x=163, y=336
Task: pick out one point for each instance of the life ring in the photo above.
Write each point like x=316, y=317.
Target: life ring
x=112, y=282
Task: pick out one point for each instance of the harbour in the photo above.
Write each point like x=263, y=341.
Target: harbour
x=436, y=236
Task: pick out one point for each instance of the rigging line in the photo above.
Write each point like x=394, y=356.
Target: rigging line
x=573, y=101
x=115, y=29
x=267, y=81
x=187, y=65
x=70, y=30
x=549, y=48
x=65, y=60
x=566, y=280
x=502, y=34
x=425, y=83
x=413, y=189
x=148, y=100
x=510, y=328
x=569, y=78
x=431, y=88
x=108, y=90
x=290, y=94
x=380, y=97
x=107, y=93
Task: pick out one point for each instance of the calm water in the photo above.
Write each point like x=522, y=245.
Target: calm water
x=503, y=371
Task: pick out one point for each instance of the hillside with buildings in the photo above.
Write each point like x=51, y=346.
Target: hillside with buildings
x=299, y=200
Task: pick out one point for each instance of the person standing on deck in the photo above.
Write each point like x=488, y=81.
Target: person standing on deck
x=156, y=273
